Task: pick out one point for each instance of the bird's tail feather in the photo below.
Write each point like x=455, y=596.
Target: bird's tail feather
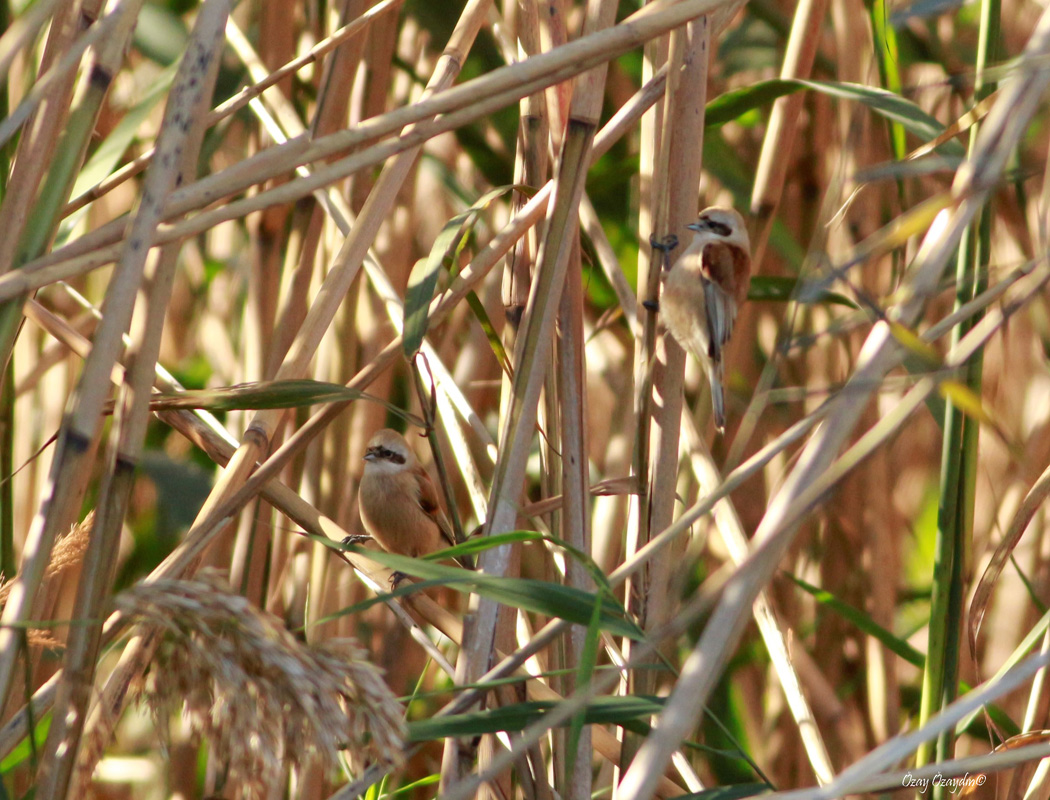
x=715, y=375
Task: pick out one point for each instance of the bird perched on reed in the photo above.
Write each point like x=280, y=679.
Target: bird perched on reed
x=398, y=502
x=702, y=291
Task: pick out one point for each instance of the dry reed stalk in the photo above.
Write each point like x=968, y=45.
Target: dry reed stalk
x=735, y=538
x=576, y=522
x=771, y=170
x=531, y=168
x=552, y=34
x=177, y=158
x=532, y=348
x=676, y=177
x=652, y=188
x=68, y=477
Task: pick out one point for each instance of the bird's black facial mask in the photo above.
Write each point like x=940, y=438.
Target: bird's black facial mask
x=385, y=454
x=715, y=227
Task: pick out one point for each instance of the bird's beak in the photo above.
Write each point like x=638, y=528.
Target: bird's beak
x=370, y=457
x=695, y=226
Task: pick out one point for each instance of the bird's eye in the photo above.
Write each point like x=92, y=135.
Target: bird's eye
x=719, y=227
x=391, y=455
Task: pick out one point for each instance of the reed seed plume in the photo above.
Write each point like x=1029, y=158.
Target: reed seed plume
x=254, y=691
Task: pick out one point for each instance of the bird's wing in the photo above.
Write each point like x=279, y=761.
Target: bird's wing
x=717, y=269
x=729, y=267
x=428, y=501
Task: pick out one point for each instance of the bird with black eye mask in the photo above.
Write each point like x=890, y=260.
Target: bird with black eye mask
x=398, y=502
x=702, y=291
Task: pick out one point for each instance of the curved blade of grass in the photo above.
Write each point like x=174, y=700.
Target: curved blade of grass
x=540, y=597
x=479, y=544
x=988, y=582
x=423, y=280
x=628, y=712
x=775, y=288
x=893, y=643
x=270, y=394
x=862, y=621
x=893, y=107
x=491, y=334
x=735, y=792
x=588, y=660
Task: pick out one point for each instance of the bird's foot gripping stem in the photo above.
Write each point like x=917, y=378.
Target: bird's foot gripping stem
x=665, y=245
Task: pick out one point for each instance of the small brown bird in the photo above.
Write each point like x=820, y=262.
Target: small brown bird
x=703, y=290
x=398, y=502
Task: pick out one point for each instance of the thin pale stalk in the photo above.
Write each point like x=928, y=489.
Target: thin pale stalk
x=189, y=96
x=7, y=443
x=651, y=189
x=681, y=148
x=530, y=169
x=68, y=477
x=575, y=518
x=775, y=157
x=736, y=542
x=533, y=349
x=7, y=377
